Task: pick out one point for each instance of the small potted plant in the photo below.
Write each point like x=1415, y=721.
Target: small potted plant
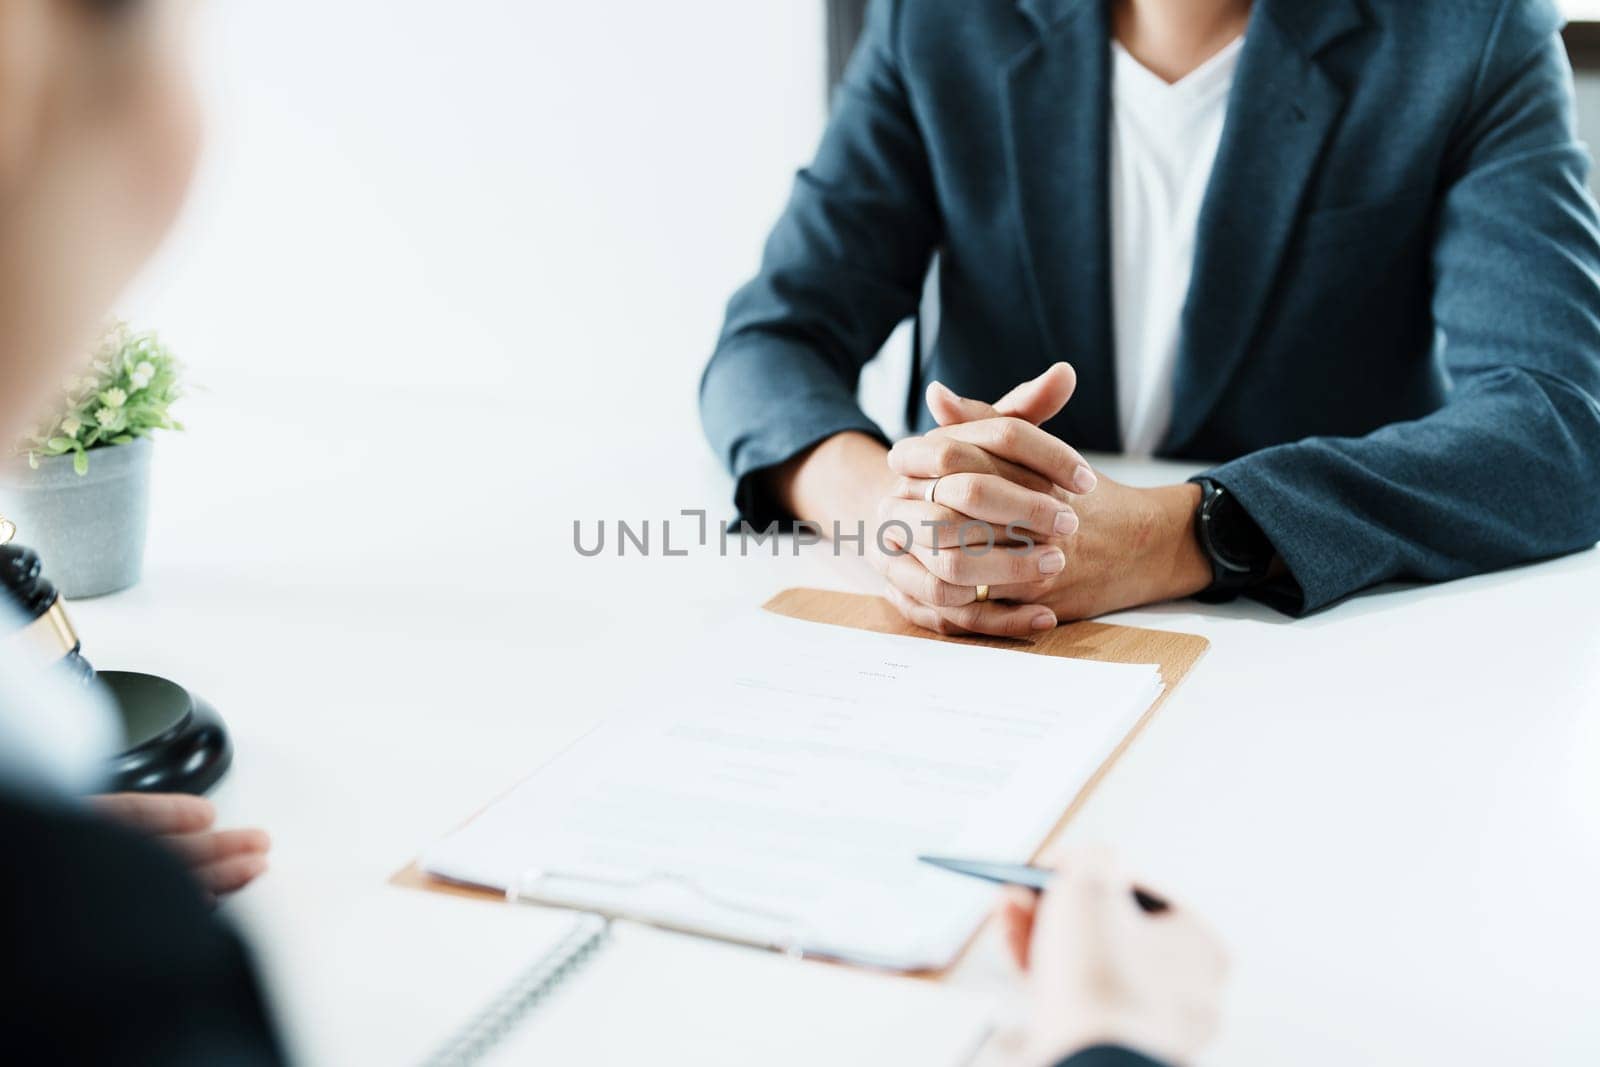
x=78, y=488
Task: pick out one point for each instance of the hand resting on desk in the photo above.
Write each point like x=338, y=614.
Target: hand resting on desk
x=222, y=861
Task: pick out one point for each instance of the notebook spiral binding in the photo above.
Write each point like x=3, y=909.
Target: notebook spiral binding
x=475, y=1040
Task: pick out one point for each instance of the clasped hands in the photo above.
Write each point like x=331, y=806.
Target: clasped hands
x=1017, y=510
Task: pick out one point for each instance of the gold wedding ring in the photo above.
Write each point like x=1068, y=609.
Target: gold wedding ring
x=927, y=494
x=982, y=592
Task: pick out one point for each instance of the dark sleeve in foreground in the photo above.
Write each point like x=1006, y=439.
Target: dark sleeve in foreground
x=1508, y=470
x=112, y=955
x=1109, y=1056
x=842, y=268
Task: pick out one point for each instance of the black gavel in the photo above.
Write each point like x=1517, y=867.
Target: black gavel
x=46, y=629
x=174, y=741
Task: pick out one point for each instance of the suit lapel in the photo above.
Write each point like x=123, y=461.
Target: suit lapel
x=1280, y=113
x=1056, y=93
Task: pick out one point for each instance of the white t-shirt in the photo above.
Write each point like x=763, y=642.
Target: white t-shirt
x=1164, y=140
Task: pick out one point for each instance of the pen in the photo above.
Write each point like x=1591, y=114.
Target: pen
x=1029, y=877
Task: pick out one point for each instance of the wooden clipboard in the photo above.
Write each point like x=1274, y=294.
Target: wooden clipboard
x=1173, y=653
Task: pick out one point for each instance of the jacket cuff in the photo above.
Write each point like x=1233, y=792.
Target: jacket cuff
x=1109, y=1056
x=1310, y=584
x=753, y=464
x=762, y=405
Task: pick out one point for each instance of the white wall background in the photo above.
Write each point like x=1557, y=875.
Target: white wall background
x=541, y=200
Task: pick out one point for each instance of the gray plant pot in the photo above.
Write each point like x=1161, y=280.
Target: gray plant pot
x=88, y=529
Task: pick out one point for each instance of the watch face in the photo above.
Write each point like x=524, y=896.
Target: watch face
x=1235, y=537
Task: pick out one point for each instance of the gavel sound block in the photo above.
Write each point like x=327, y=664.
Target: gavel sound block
x=174, y=742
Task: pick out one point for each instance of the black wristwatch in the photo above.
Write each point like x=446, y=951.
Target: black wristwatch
x=1240, y=554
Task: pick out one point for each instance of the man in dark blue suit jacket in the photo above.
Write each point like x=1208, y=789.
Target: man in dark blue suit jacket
x=1390, y=345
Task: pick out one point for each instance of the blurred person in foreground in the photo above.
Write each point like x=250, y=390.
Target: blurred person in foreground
x=112, y=951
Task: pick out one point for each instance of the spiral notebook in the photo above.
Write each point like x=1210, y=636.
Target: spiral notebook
x=486, y=1031
x=405, y=977
x=775, y=785
x=651, y=996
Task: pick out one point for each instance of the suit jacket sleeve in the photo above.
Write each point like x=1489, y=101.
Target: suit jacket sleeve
x=843, y=266
x=114, y=955
x=1508, y=469
x=1109, y=1056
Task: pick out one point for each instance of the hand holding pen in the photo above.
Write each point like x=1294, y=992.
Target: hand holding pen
x=1108, y=961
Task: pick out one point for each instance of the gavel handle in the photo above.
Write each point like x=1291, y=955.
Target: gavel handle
x=22, y=582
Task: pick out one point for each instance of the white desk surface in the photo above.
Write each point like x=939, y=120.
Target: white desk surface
x=1390, y=810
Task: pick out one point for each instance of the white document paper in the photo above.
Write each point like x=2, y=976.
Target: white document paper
x=777, y=787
